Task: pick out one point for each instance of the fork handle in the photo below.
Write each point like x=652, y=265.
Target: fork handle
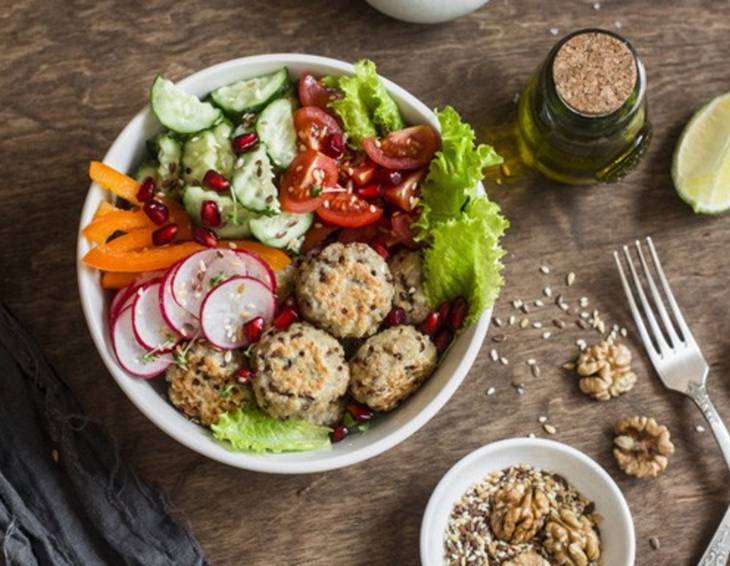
x=700, y=396
x=718, y=551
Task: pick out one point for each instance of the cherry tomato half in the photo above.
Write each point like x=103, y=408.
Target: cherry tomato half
x=302, y=183
x=409, y=148
x=404, y=194
x=313, y=93
x=361, y=170
x=317, y=235
x=348, y=210
x=400, y=230
x=313, y=124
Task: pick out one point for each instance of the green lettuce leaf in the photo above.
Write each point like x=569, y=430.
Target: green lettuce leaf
x=464, y=258
x=455, y=170
x=366, y=109
x=252, y=430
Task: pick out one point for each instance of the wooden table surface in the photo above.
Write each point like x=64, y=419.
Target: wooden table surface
x=73, y=73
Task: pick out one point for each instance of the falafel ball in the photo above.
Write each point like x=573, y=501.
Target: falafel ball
x=390, y=366
x=347, y=290
x=207, y=385
x=407, y=269
x=300, y=372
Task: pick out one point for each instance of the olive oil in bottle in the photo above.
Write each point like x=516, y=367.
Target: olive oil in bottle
x=582, y=117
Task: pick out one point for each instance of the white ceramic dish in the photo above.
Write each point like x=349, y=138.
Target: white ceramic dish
x=392, y=429
x=426, y=11
x=617, y=529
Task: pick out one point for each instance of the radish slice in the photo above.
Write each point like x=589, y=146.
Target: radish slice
x=177, y=318
x=131, y=356
x=122, y=297
x=149, y=327
x=258, y=268
x=231, y=305
x=190, y=283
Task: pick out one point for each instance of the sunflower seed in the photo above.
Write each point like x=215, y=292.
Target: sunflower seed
x=558, y=323
x=654, y=543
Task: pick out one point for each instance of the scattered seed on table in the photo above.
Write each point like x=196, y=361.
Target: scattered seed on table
x=499, y=338
x=545, y=269
x=512, y=320
x=585, y=315
x=550, y=429
x=623, y=332
x=497, y=321
x=580, y=323
x=537, y=324
x=517, y=303
x=547, y=291
x=570, y=279
x=542, y=419
x=601, y=327
x=569, y=366
x=520, y=390
x=524, y=323
x=535, y=369
x=491, y=391
x=530, y=361
x=700, y=428
x=494, y=355
x=558, y=323
x=539, y=303
x=581, y=344
x=504, y=361
x=583, y=302
x=525, y=309
x=531, y=435
x=654, y=543
x=564, y=306
x=546, y=335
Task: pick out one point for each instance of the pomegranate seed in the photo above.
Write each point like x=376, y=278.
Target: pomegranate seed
x=156, y=211
x=442, y=340
x=457, y=314
x=431, y=324
x=244, y=142
x=244, y=375
x=205, y=237
x=333, y=146
x=339, y=432
x=210, y=214
x=369, y=191
x=285, y=318
x=164, y=235
x=389, y=176
x=443, y=310
x=380, y=248
x=146, y=190
x=253, y=329
x=359, y=412
x=216, y=181
x=395, y=317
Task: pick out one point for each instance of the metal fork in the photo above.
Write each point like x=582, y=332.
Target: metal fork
x=677, y=359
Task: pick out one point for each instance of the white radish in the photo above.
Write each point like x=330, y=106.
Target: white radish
x=230, y=305
x=148, y=325
x=180, y=320
x=257, y=268
x=131, y=355
x=190, y=283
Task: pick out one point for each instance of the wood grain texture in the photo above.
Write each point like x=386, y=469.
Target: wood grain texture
x=74, y=72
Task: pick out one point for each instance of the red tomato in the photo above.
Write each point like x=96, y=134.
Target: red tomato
x=410, y=148
x=314, y=93
x=401, y=232
x=361, y=171
x=403, y=195
x=348, y=210
x=302, y=182
x=316, y=235
x=313, y=124
x=364, y=234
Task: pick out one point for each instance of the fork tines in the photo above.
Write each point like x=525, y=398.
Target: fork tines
x=660, y=335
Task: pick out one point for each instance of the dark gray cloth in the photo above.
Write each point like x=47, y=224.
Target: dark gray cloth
x=65, y=497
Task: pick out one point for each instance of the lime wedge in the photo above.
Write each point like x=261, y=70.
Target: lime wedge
x=701, y=166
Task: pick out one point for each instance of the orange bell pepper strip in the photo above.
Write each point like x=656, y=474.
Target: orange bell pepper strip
x=112, y=280
x=104, y=209
x=276, y=259
x=115, y=181
x=99, y=230
x=136, y=261
x=142, y=238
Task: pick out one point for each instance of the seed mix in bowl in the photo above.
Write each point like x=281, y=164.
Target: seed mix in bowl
x=522, y=516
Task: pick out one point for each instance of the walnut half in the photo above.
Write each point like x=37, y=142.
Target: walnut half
x=642, y=446
x=571, y=540
x=518, y=512
x=527, y=558
x=605, y=370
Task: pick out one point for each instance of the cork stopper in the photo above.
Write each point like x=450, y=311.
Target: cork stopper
x=594, y=73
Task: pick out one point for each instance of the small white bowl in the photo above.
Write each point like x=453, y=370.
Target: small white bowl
x=391, y=429
x=426, y=11
x=618, y=541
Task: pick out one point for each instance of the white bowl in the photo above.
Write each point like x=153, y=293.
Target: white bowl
x=124, y=154
x=618, y=541
x=426, y=11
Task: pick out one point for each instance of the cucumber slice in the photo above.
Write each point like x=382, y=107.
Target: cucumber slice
x=282, y=231
x=253, y=182
x=251, y=95
x=169, y=156
x=275, y=127
x=179, y=111
x=147, y=169
x=235, y=218
x=210, y=149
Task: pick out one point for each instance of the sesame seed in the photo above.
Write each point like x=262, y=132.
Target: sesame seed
x=564, y=307
x=525, y=308
x=494, y=355
x=569, y=365
x=535, y=371
x=542, y=419
x=700, y=428
x=545, y=269
x=550, y=429
x=504, y=361
x=496, y=321
x=537, y=324
x=624, y=332
x=558, y=323
x=570, y=279
x=554, y=31
x=654, y=543
x=546, y=335
x=520, y=390
x=539, y=303
x=585, y=315
x=512, y=320
x=491, y=391
x=524, y=323
x=547, y=291
x=531, y=361
x=531, y=435
x=583, y=302
x=517, y=303
x=597, y=6
x=581, y=344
